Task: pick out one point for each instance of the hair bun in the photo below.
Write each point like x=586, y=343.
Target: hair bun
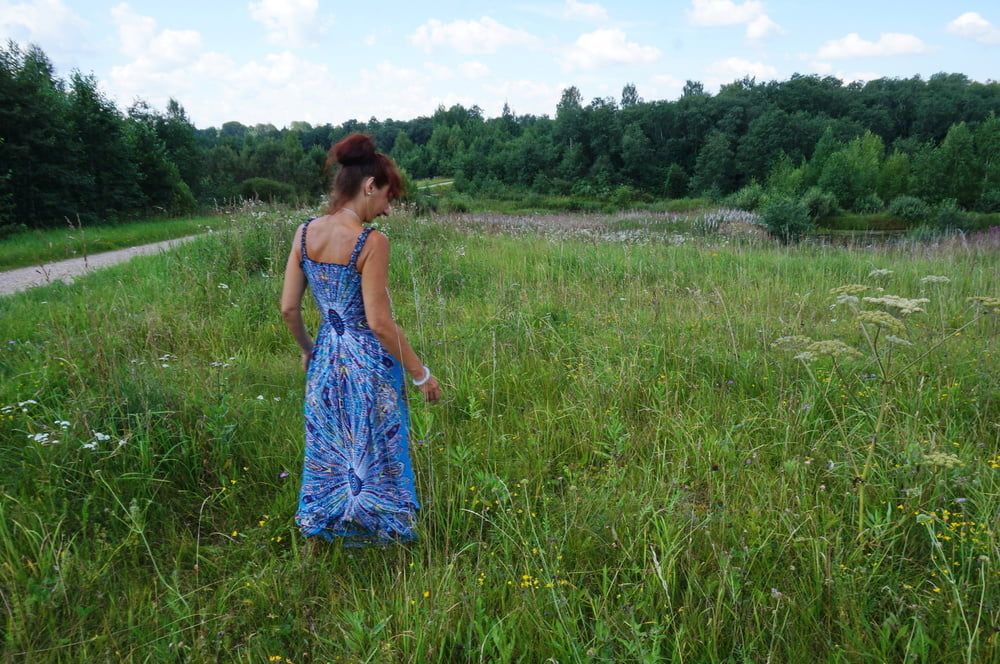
x=355, y=150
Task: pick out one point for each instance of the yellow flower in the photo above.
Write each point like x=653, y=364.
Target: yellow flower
x=427, y=594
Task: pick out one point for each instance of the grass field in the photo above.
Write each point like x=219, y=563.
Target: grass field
x=56, y=244
x=624, y=467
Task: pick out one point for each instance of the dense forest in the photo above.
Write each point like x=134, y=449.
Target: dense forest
x=67, y=152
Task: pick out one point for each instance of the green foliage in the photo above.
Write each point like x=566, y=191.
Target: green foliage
x=894, y=176
x=785, y=178
x=990, y=201
x=266, y=189
x=676, y=182
x=820, y=204
x=714, y=168
x=786, y=218
x=910, y=209
x=851, y=174
x=749, y=197
x=869, y=203
x=950, y=216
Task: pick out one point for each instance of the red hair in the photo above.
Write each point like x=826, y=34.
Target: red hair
x=358, y=160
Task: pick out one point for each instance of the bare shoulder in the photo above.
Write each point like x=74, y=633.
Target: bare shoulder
x=376, y=246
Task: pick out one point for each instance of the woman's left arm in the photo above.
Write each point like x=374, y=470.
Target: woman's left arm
x=291, y=299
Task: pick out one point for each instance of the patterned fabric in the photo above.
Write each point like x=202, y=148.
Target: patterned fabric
x=357, y=480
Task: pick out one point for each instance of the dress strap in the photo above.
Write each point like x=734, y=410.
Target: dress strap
x=357, y=247
x=305, y=227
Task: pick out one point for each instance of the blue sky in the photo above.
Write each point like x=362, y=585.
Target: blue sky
x=283, y=60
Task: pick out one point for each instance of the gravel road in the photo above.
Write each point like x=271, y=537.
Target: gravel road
x=23, y=278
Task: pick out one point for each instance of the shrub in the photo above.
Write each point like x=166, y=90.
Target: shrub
x=786, y=218
x=624, y=196
x=910, y=209
x=749, y=198
x=869, y=204
x=677, y=182
x=820, y=204
x=266, y=189
x=949, y=216
x=990, y=201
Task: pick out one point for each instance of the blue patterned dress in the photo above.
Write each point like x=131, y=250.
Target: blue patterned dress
x=357, y=480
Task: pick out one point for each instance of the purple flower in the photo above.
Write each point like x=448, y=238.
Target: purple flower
x=283, y=474
x=961, y=500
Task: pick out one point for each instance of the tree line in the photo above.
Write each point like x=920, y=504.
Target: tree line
x=67, y=152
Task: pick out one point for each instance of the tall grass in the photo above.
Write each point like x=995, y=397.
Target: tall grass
x=623, y=468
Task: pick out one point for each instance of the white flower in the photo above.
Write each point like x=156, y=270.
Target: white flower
x=260, y=397
x=277, y=398
x=806, y=356
x=224, y=286
x=121, y=441
x=62, y=423
x=22, y=404
x=39, y=437
x=880, y=272
x=935, y=279
x=92, y=445
x=850, y=300
x=165, y=365
x=101, y=436
x=893, y=339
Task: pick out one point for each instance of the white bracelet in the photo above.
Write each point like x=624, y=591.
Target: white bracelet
x=427, y=377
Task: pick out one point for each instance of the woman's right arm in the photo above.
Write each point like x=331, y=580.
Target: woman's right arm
x=375, y=293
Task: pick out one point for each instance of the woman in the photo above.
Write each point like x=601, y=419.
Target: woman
x=357, y=480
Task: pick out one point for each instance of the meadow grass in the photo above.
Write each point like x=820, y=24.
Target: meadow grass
x=55, y=244
x=623, y=467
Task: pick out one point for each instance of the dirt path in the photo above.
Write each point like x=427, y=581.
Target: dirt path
x=23, y=278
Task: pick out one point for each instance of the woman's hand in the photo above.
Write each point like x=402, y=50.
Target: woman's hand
x=431, y=390
x=306, y=358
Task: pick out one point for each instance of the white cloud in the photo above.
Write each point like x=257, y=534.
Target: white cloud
x=727, y=12
x=973, y=26
x=290, y=23
x=470, y=37
x=370, y=40
x=889, y=43
x=150, y=47
x=731, y=69
x=48, y=23
x=762, y=27
x=821, y=67
x=587, y=11
x=606, y=47
x=474, y=69
x=532, y=96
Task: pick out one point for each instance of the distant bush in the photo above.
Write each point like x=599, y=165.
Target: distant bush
x=786, y=218
x=910, y=209
x=869, y=204
x=267, y=189
x=990, y=201
x=749, y=198
x=623, y=196
x=820, y=204
x=677, y=182
x=949, y=216
x=455, y=202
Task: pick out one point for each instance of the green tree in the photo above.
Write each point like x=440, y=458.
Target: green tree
x=713, y=171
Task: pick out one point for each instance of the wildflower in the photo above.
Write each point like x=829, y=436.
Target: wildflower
x=942, y=459
x=121, y=442
x=283, y=474
x=903, y=304
x=39, y=437
x=934, y=279
x=882, y=319
x=990, y=304
x=849, y=289
x=92, y=445
x=102, y=437
x=794, y=342
x=833, y=348
x=897, y=341
x=879, y=272
x=223, y=286
x=776, y=594
x=62, y=424
x=806, y=356
x=427, y=594
x=849, y=300
x=260, y=397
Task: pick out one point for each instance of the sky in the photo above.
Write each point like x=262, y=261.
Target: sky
x=319, y=61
